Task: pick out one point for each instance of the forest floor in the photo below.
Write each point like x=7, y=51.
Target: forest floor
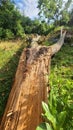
x=61, y=78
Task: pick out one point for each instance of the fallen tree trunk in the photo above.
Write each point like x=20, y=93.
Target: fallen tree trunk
x=23, y=110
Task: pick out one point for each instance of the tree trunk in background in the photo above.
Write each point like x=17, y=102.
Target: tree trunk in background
x=23, y=111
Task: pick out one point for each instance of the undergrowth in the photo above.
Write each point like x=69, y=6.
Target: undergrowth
x=61, y=81
x=9, y=56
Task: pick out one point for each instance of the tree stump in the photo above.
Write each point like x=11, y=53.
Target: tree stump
x=23, y=110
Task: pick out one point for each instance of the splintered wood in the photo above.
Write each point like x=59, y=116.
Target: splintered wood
x=23, y=110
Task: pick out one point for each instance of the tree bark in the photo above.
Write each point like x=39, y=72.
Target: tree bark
x=23, y=110
x=56, y=47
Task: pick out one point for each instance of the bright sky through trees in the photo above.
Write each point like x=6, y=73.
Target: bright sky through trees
x=28, y=7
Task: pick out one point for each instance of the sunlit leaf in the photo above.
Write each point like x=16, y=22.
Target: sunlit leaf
x=44, y=126
x=48, y=115
x=61, y=118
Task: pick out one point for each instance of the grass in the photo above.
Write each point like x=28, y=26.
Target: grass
x=9, y=56
x=61, y=81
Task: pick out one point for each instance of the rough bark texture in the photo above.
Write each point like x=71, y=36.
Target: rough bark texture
x=56, y=47
x=23, y=111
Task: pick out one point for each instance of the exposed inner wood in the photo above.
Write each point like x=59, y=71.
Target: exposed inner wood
x=23, y=111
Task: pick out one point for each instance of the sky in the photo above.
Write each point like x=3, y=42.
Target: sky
x=28, y=7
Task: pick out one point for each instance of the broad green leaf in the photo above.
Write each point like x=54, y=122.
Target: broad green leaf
x=44, y=126
x=61, y=118
x=48, y=126
x=48, y=115
x=45, y=107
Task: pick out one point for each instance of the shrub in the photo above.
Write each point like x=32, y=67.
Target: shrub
x=1, y=32
x=8, y=34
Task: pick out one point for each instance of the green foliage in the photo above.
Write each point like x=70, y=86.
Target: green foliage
x=71, y=18
x=8, y=34
x=9, y=56
x=34, y=26
x=56, y=120
x=27, y=24
x=55, y=10
x=61, y=82
x=48, y=115
x=19, y=30
x=44, y=126
x=43, y=28
x=14, y=25
x=1, y=31
x=10, y=23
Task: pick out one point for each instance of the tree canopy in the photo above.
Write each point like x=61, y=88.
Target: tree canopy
x=71, y=18
x=13, y=24
x=10, y=23
x=54, y=9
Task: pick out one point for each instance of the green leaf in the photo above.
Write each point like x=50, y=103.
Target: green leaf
x=48, y=115
x=71, y=106
x=48, y=126
x=45, y=107
x=61, y=118
x=44, y=126
x=61, y=128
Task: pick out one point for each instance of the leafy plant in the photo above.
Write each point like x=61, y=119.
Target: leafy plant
x=44, y=126
x=54, y=120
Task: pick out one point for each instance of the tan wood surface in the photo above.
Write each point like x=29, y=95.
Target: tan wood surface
x=23, y=110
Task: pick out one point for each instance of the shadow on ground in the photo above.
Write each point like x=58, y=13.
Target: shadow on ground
x=7, y=74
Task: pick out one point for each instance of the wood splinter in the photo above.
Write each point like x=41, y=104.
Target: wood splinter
x=29, y=88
